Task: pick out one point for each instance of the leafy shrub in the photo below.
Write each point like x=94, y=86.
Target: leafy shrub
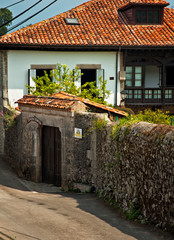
x=64, y=79
x=156, y=117
x=133, y=213
x=9, y=117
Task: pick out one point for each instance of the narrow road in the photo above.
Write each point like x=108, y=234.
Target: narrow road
x=31, y=211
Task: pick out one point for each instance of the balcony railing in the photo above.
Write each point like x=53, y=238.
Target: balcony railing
x=150, y=96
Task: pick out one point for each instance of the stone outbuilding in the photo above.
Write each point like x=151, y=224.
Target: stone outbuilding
x=54, y=146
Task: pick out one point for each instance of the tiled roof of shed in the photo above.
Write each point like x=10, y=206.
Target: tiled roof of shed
x=100, y=25
x=44, y=101
x=65, y=95
x=64, y=101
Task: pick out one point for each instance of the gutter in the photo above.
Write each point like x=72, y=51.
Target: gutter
x=82, y=47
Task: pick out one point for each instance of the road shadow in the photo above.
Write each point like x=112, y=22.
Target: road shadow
x=9, y=178
x=87, y=202
x=90, y=203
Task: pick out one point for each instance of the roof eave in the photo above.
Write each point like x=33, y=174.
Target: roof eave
x=129, y=5
x=81, y=47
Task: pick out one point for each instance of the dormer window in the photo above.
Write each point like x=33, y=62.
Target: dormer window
x=147, y=16
x=143, y=12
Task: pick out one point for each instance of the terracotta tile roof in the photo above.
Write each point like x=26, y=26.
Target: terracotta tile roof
x=44, y=101
x=100, y=26
x=162, y=2
x=64, y=101
x=65, y=95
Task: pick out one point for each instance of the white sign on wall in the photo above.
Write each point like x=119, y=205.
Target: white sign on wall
x=78, y=133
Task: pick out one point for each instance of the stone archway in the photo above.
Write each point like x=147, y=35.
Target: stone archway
x=31, y=150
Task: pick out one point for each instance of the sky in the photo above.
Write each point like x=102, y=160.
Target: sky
x=55, y=9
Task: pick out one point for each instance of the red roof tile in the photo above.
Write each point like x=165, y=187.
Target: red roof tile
x=64, y=95
x=162, y=2
x=64, y=101
x=51, y=102
x=100, y=25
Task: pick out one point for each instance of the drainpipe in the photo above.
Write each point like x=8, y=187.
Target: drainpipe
x=1, y=75
x=116, y=80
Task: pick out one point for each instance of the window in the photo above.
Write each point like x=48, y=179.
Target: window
x=157, y=94
x=133, y=76
x=91, y=73
x=168, y=94
x=147, y=16
x=169, y=76
x=148, y=94
x=129, y=76
x=72, y=21
x=129, y=94
x=41, y=72
x=38, y=70
x=137, y=94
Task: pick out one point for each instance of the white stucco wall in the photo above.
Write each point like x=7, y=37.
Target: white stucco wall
x=152, y=77
x=20, y=61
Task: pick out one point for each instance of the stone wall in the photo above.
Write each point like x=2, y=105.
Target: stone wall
x=11, y=142
x=85, y=150
x=3, y=95
x=135, y=171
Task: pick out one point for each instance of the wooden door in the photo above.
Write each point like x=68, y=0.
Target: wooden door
x=51, y=155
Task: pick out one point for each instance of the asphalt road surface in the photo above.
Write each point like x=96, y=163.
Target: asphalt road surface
x=42, y=212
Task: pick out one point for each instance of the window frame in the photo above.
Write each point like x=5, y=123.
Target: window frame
x=147, y=10
x=34, y=68
x=134, y=77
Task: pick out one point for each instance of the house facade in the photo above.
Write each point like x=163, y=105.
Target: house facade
x=128, y=42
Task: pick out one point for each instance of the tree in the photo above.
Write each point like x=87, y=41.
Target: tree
x=64, y=79
x=5, y=16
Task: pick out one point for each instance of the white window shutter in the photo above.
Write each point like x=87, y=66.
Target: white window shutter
x=31, y=74
x=78, y=83
x=53, y=79
x=99, y=73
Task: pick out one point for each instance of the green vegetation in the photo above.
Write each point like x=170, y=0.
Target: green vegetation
x=65, y=79
x=99, y=124
x=156, y=117
x=97, y=94
x=9, y=117
x=60, y=79
x=5, y=16
x=133, y=213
